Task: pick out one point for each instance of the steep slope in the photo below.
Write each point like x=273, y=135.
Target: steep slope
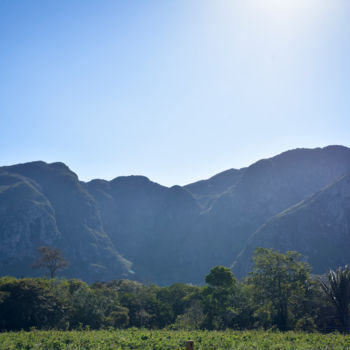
x=318, y=228
x=128, y=205
x=147, y=222
x=206, y=191
x=27, y=221
x=265, y=189
x=82, y=238
x=167, y=248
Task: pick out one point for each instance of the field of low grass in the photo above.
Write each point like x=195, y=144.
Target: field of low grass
x=170, y=340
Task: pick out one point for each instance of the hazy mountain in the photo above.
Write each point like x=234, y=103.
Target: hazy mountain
x=206, y=191
x=45, y=204
x=147, y=222
x=131, y=226
x=27, y=220
x=265, y=189
x=318, y=228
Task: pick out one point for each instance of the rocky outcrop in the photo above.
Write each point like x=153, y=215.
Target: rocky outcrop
x=27, y=219
x=50, y=207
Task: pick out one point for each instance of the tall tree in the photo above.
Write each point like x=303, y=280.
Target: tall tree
x=218, y=297
x=337, y=288
x=50, y=259
x=280, y=282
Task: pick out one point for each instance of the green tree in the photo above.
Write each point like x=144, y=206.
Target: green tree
x=220, y=278
x=179, y=296
x=29, y=302
x=280, y=285
x=337, y=289
x=50, y=259
x=218, y=297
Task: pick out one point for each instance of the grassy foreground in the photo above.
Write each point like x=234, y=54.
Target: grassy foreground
x=163, y=340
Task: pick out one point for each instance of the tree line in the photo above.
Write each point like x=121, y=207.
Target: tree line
x=279, y=293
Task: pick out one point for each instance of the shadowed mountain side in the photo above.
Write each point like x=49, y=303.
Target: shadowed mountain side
x=82, y=238
x=206, y=191
x=27, y=221
x=148, y=222
x=167, y=246
x=128, y=206
x=265, y=189
x=131, y=226
x=318, y=228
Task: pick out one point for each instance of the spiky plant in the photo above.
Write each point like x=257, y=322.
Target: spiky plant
x=337, y=288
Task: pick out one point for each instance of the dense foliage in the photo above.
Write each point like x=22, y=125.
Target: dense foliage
x=171, y=340
x=278, y=294
x=337, y=288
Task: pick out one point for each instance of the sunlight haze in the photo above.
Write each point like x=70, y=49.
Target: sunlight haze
x=174, y=90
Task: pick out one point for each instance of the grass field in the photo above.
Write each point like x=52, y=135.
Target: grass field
x=163, y=340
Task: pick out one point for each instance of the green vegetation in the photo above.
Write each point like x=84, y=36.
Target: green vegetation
x=337, y=288
x=279, y=294
x=170, y=340
x=50, y=259
x=280, y=286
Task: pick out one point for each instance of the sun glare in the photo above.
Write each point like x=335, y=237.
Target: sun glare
x=290, y=16
x=282, y=10
x=281, y=5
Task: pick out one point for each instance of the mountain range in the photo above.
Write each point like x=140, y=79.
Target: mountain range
x=135, y=228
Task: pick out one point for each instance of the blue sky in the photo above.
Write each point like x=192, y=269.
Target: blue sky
x=176, y=90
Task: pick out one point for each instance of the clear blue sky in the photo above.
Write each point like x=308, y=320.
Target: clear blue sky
x=176, y=90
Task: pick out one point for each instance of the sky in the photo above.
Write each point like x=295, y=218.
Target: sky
x=176, y=90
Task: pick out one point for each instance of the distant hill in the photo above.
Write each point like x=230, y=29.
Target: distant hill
x=132, y=227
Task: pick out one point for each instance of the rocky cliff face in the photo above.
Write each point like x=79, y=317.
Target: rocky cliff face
x=133, y=227
x=50, y=207
x=27, y=220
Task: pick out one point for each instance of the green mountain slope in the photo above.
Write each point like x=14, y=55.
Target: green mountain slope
x=318, y=228
x=265, y=189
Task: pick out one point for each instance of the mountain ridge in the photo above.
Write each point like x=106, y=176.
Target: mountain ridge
x=163, y=234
